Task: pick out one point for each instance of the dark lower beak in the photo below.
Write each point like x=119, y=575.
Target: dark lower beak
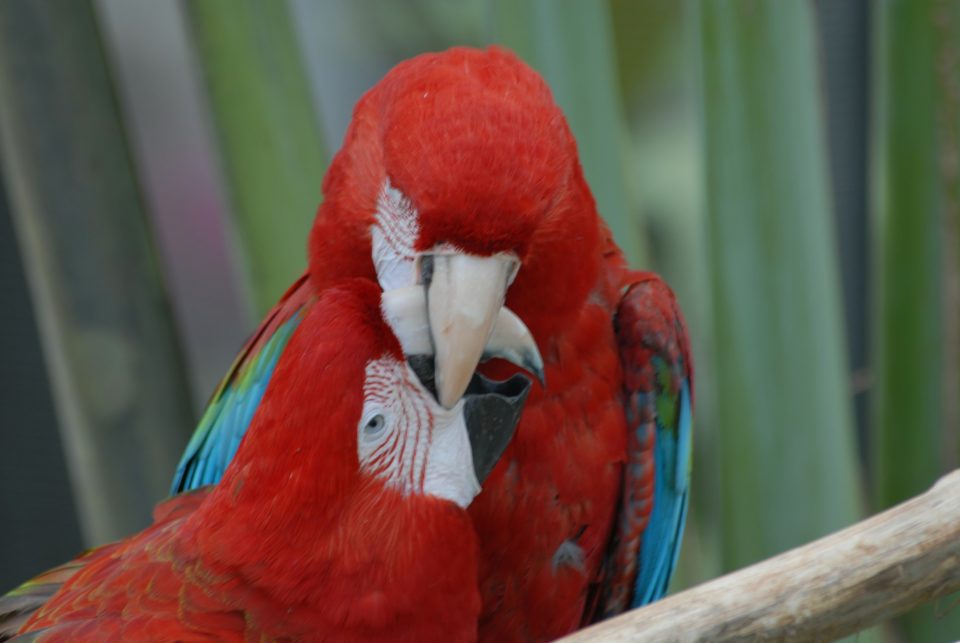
x=491, y=411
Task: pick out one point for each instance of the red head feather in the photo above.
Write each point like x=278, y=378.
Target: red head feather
x=294, y=543
x=475, y=141
x=305, y=430
x=295, y=516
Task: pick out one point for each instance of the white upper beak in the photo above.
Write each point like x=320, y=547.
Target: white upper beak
x=457, y=315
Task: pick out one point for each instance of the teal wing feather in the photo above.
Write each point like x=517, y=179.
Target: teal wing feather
x=660, y=546
x=658, y=392
x=237, y=398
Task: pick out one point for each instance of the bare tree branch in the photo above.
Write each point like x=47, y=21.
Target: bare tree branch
x=832, y=587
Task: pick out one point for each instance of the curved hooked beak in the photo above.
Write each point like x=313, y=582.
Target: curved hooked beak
x=468, y=321
x=457, y=316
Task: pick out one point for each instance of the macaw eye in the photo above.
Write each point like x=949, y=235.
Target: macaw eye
x=375, y=425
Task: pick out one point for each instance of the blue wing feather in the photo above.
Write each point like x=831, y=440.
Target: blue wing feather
x=223, y=425
x=662, y=538
x=658, y=380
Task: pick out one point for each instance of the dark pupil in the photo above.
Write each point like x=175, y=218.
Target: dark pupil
x=375, y=423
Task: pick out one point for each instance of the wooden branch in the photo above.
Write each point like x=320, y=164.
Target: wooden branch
x=832, y=587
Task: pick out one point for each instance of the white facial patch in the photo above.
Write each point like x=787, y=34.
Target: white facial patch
x=411, y=442
x=393, y=237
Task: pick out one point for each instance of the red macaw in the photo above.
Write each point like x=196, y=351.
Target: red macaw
x=459, y=174
x=342, y=516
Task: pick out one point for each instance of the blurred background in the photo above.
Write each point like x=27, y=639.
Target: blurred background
x=791, y=167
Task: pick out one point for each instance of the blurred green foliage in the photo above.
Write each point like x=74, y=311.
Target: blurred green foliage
x=915, y=97
x=908, y=251
x=271, y=145
x=781, y=357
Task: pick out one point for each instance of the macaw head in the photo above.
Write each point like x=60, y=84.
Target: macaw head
x=351, y=448
x=459, y=175
x=353, y=411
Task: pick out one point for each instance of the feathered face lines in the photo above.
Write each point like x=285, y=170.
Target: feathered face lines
x=395, y=426
x=393, y=238
x=395, y=243
x=409, y=441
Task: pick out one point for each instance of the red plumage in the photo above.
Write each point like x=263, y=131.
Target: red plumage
x=474, y=140
x=296, y=542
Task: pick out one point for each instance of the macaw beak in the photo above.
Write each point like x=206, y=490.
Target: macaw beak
x=468, y=321
x=406, y=310
x=491, y=411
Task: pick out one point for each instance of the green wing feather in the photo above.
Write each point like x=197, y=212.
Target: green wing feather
x=237, y=399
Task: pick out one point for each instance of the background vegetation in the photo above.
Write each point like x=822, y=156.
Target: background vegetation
x=790, y=166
